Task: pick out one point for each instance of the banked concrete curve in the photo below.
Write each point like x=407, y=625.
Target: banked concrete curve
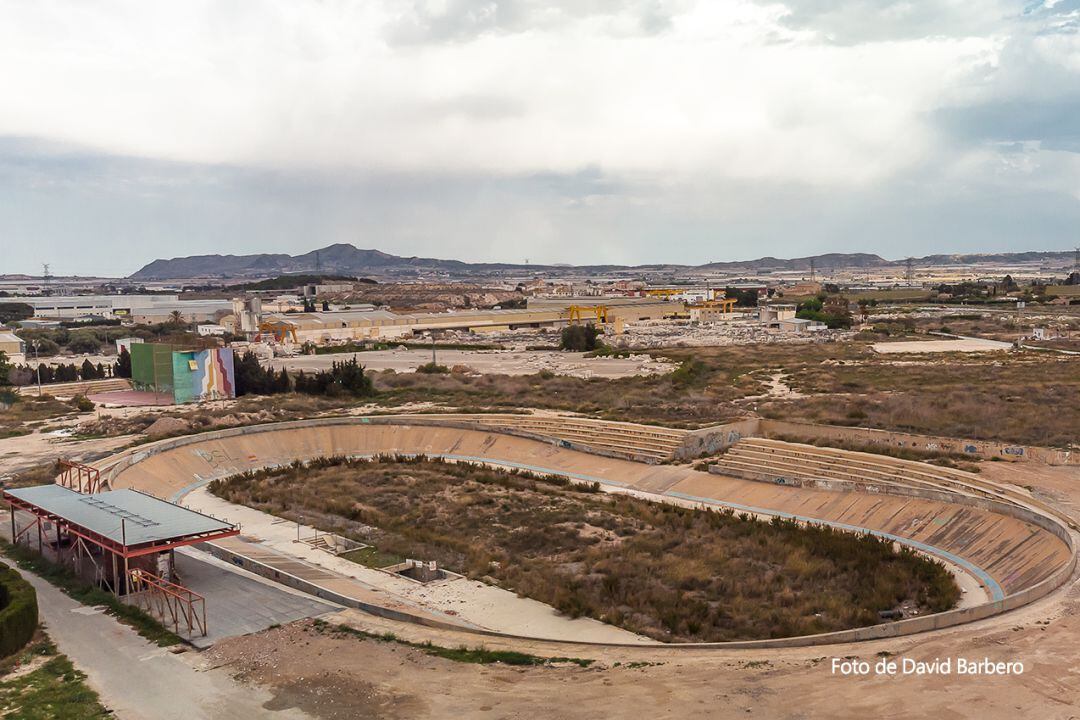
x=1018, y=554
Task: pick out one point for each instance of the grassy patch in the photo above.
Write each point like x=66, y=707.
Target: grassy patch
x=141, y=621
x=52, y=690
x=41, y=474
x=669, y=572
x=1023, y=397
x=17, y=419
x=478, y=655
x=372, y=557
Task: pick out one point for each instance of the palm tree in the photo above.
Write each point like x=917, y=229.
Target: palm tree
x=176, y=318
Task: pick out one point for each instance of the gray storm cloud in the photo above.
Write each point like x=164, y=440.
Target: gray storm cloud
x=571, y=131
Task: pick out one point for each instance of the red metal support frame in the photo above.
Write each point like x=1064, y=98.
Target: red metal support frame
x=78, y=477
x=171, y=603
x=112, y=546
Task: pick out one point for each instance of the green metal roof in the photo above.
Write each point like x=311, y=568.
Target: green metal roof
x=127, y=517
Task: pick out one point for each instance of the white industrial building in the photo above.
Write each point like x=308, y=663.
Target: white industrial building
x=138, y=308
x=12, y=346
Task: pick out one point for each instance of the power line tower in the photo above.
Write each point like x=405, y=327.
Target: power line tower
x=46, y=278
x=910, y=275
x=318, y=262
x=811, y=269
x=1076, y=260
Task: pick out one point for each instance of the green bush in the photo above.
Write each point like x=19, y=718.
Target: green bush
x=18, y=611
x=84, y=343
x=579, y=338
x=433, y=369
x=690, y=372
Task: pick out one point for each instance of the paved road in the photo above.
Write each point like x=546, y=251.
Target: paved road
x=141, y=681
x=237, y=602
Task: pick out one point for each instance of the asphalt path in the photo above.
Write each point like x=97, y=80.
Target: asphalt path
x=139, y=680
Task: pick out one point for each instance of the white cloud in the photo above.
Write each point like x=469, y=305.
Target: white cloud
x=305, y=84
x=565, y=119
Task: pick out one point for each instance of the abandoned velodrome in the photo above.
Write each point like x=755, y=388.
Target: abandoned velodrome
x=1006, y=548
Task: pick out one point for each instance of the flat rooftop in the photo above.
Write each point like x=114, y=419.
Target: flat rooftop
x=127, y=517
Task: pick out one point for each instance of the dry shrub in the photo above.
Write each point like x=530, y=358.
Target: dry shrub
x=661, y=570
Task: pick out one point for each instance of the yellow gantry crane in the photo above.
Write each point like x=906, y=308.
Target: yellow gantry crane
x=278, y=330
x=726, y=304
x=577, y=312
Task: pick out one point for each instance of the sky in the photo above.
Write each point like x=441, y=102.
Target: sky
x=598, y=131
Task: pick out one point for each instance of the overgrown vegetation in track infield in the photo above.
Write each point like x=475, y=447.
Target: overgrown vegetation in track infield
x=661, y=570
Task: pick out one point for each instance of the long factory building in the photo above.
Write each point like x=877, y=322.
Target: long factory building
x=319, y=327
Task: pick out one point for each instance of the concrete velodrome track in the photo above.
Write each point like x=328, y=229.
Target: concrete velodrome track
x=1017, y=554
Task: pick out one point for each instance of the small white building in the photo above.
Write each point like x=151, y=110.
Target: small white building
x=12, y=346
x=709, y=313
x=324, y=289
x=126, y=343
x=773, y=314
x=210, y=329
x=801, y=325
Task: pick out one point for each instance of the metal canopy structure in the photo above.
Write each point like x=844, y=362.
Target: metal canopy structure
x=127, y=523
x=115, y=530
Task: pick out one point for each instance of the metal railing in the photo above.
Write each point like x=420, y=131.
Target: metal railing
x=174, y=605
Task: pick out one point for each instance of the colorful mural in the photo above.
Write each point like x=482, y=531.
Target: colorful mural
x=203, y=375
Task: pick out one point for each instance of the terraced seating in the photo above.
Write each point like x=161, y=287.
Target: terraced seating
x=83, y=387
x=624, y=438
x=777, y=461
x=1016, y=556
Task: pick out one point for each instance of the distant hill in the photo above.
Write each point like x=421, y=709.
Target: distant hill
x=830, y=260
x=343, y=258
x=994, y=258
x=286, y=282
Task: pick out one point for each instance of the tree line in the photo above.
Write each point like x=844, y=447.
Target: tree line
x=343, y=378
x=69, y=372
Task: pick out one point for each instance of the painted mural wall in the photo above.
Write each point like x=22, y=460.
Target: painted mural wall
x=203, y=375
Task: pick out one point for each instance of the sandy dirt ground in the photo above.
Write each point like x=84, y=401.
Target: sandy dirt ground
x=935, y=346
x=25, y=451
x=504, y=362
x=367, y=678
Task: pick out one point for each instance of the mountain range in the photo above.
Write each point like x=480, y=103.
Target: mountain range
x=346, y=258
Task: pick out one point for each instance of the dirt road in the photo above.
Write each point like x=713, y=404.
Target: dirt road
x=503, y=362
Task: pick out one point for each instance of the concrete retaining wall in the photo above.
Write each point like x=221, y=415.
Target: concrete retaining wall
x=305, y=586
x=782, y=429
x=711, y=440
